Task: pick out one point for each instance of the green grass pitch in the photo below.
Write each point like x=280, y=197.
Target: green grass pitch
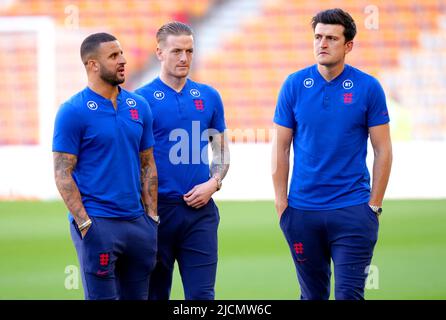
x=254, y=261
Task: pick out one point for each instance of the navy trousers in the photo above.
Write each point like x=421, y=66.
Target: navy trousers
x=116, y=257
x=347, y=236
x=188, y=236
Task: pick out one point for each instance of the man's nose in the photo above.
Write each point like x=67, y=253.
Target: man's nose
x=183, y=56
x=323, y=42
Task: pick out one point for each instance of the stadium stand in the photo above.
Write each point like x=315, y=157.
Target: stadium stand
x=405, y=49
x=252, y=64
x=18, y=114
x=133, y=22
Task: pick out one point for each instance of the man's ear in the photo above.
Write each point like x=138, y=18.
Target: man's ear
x=348, y=46
x=159, y=53
x=92, y=65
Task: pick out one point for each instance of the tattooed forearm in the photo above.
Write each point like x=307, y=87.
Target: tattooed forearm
x=220, y=156
x=149, y=182
x=64, y=165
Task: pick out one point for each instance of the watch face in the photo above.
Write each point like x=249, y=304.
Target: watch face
x=380, y=210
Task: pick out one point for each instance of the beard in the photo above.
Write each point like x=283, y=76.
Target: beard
x=110, y=77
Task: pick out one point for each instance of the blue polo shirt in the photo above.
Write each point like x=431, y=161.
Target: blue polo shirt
x=182, y=123
x=330, y=122
x=107, y=143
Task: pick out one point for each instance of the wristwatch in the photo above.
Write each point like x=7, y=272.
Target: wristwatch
x=218, y=182
x=378, y=210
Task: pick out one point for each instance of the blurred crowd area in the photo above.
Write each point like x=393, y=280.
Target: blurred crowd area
x=244, y=48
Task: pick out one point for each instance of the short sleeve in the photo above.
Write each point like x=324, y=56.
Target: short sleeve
x=218, y=117
x=147, y=139
x=377, y=112
x=284, y=113
x=67, y=134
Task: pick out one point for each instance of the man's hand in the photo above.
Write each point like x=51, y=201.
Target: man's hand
x=154, y=217
x=83, y=224
x=376, y=205
x=280, y=207
x=200, y=195
x=84, y=232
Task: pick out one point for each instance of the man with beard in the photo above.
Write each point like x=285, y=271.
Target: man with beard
x=106, y=174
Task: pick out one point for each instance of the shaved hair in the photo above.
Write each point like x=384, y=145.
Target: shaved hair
x=90, y=45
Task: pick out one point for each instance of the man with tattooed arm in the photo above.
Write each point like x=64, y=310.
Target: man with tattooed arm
x=188, y=116
x=106, y=174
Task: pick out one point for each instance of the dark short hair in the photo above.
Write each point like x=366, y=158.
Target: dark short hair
x=336, y=16
x=92, y=42
x=173, y=28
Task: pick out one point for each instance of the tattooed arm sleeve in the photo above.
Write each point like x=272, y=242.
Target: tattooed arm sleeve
x=149, y=182
x=220, y=155
x=64, y=164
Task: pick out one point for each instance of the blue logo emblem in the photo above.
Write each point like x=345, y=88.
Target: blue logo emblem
x=92, y=105
x=308, y=83
x=131, y=102
x=158, y=95
x=347, y=84
x=195, y=93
